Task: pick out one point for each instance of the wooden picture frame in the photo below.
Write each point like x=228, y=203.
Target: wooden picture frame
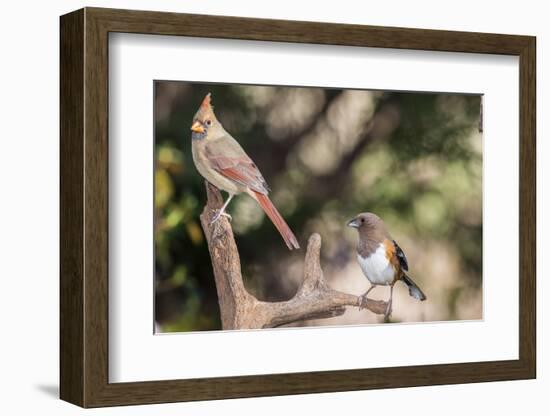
x=84, y=207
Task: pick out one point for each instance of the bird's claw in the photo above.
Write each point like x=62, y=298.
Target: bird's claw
x=362, y=302
x=219, y=214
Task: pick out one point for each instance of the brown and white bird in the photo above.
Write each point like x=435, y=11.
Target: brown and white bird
x=221, y=160
x=380, y=258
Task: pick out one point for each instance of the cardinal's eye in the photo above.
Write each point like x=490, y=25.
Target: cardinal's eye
x=208, y=123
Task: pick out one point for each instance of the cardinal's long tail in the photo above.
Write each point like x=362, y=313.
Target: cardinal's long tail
x=278, y=221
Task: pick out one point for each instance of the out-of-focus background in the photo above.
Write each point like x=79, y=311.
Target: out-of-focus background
x=415, y=159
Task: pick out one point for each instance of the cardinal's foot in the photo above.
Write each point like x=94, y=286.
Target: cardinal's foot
x=219, y=214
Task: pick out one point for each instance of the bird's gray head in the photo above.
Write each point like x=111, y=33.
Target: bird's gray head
x=366, y=221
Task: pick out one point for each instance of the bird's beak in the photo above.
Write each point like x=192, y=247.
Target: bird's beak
x=197, y=127
x=353, y=223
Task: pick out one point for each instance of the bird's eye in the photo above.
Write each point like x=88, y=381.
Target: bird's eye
x=362, y=220
x=208, y=123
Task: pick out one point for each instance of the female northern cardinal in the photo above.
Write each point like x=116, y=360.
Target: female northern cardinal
x=380, y=258
x=222, y=161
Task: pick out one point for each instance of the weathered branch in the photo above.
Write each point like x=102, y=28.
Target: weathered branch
x=240, y=310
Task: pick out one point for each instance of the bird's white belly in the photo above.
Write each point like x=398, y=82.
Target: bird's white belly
x=377, y=267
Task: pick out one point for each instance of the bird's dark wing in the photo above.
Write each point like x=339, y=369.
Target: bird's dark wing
x=401, y=256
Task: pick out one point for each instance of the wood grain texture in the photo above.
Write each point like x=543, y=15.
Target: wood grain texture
x=225, y=27
x=84, y=206
x=96, y=214
x=71, y=218
x=527, y=209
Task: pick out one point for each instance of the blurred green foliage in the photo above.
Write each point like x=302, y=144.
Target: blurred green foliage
x=413, y=158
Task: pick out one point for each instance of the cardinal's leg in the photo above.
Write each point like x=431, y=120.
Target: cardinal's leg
x=364, y=297
x=221, y=211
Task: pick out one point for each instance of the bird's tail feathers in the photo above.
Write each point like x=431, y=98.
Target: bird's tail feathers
x=414, y=290
x=277, y=219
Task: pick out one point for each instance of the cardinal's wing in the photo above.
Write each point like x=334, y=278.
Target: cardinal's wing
x=227, y=157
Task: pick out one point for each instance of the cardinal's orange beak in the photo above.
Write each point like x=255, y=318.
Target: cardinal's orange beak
x=197, y=127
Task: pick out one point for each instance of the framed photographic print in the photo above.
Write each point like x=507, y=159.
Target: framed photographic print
x=259, y=207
